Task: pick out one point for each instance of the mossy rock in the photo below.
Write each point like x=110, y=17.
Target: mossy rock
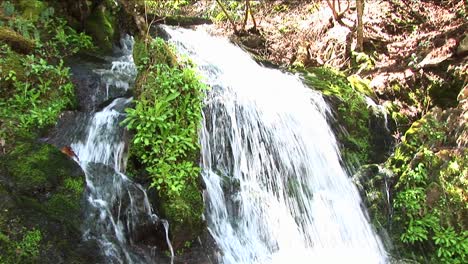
x=32, y=9
x=101, y=25
x=361, y=85
x=17, y=42
x=10, y=62
x=184, y=214
x=152, y=51
x=36, y=168
x=347, y=99
x=443, y=93
x=373, y=182
x=42, y=196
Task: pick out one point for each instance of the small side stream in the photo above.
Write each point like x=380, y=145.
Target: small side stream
x=118, y=215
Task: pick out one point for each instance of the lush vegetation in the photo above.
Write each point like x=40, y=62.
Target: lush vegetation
x=165, y=122
x=430, y=203
x=34, y=83
x=40, y=197
x=425, y=177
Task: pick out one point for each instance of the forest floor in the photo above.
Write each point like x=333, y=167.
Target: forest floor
x=408, y=45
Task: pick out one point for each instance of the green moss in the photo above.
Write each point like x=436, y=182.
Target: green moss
x=74, y=185
x=184, y=212
x=26, y=250
x=34, y=167
x=32, y=9
x=63, y=204
x=149, y=52
x=101, y=26
x=10, y=65
x=361, y=85
x=352, y=111
x=38, y=192
x=140, y=52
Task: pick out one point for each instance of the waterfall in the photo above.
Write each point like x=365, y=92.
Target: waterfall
x=116, y=207
x=275, y=189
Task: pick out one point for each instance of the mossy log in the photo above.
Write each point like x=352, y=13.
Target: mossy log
x=17, y=42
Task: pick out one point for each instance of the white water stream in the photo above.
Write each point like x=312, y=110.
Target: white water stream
x=116, y=206
x=275, y=189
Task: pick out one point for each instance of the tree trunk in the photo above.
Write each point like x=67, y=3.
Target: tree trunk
x=247, y=2
x=234, y=27
x=360, y=33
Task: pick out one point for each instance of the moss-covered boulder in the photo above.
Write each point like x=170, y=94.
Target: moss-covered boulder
x=32, y=9
x=101, y=24
x=184, y=213
x=361, y=128
x=41, y=190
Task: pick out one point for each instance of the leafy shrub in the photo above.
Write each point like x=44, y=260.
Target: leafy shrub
x=36, y=99
x=165, y=120
x=165, y=123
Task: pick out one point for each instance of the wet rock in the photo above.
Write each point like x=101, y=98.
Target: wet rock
x=252, y=41
x=374, y=184
x=101, y=25
x=70, y=127
x=93, y=88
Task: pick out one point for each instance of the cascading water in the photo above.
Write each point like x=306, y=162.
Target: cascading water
x=275, y=189
x=116, y=207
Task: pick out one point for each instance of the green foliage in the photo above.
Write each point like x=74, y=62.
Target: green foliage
x=452, y=247
x=166, y=8
x=36, y=99
x=53, y=38
x=430, y=203
x=165, y=123
x=8, y=8
x=236, y=10
x=35, y=88
x=166, y=119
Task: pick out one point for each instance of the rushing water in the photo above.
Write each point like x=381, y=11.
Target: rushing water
x=116, y=207
x=275, y=189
